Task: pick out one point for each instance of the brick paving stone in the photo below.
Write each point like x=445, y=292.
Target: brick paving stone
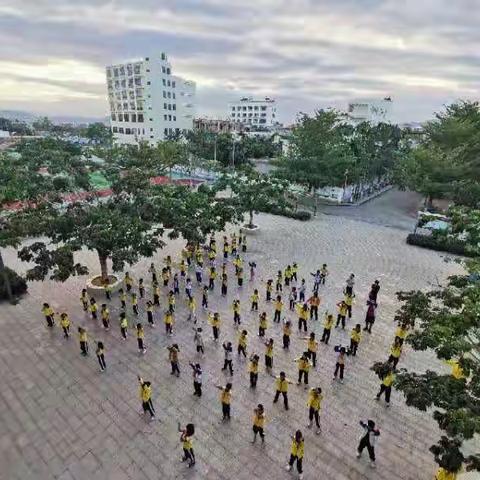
x=70, y=421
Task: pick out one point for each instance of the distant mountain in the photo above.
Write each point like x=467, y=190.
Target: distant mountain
x=29, y=117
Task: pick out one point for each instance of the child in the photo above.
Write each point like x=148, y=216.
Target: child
x=386, y=386
x=192, y=307
x=84, y=299
x=254, y=299
x=292, y=297
x=278, y=285
x=314, y=401
x=128, y=281
x=141, y=288
x=252, y=266
x=395, y=352
x=316, y=280
x=287, y=331
x=186, y=439
x=281, y=386
x=105, y=313
x=134, y=301
x=123, y=298
x=198, y=339
x=296, y=453
x=146, y=397
x=240, y=276
x=226, y=249
x=312, y=346
x=101, y=356
x=253, y=369
x=327, y=327
x=198, y=273
x=173, y=357
x=323, y=274
x=224, y=284
x=140, y=338
x=82, y=335
x=303, y=367
x=402, y=332
x=355, y=337
x=342, y=313
x=47, y=310
x=368, y=440
x=370, y=315
x=171, y=301
x=65, y=324
x=211, y=278
x=197, y=379
x=350, y=283
x=93, y=308
x=205, y=297
x=262, y=326
x=340, y=365
x=269, y=354
x=215, y=323
x=349, y=302
x=150, y=320
x=242, y=343
x=278, y=305
x=244, y=243
x=374, y=289
x=108, y=290
x=269, y=289
x=294, y=271
x=176, y=285
x=236, y=312
x=314, y=302
x=302, y=311
x=168, y=320
x=156, y=295
x=301, y=291
x=168, y=263
x=153, y=271
x=188, y=287
x=183, y=268
x=165, y=276
x=258, y=423
x=225, y=398
x=123, y=325
x=288, y=275
x=228, y=362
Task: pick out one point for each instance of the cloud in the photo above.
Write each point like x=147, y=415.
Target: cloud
x=308, y=54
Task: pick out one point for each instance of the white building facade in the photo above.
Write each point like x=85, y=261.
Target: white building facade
x=254, y=112
x=372, y=111
x=148, y=103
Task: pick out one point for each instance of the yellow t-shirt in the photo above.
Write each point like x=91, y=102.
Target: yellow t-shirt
x=124, y=323
x=254, y=298
x=401, y=332
x=287, y=330
x=328, y=324
x=47, y=311
x=145, y=393
x=303, y=314
x=342, y=310
x=242, y=340
x=269, y=351
x=226, y=397
x=278, y=305
x=168, y=319
x=388, y=380
x=303, y=364
x=187, y=443
x=83, y=336
x=355, y=336
x=297, y=449
x=395, y=351
x=457, y=370
x=443, y=474
x=65, y=322
x=263, y=322
x=282, y=385
x=105, y=314
x=312, y=345
x=259, y=420
x=314, y=400
x=253, y=367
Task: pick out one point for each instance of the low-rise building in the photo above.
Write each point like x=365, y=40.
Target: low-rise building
x=254, y=112
x=370, y=110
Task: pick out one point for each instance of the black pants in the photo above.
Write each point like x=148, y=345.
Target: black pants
x=278, y=287
x=168, y=327
x=301, y=296
x=268, y=361
x=204, y=302
x=228, y=364
x=240, y=281
x=268, y=296
x=340, y=318
x=276, y=316
x=215, y=333
x=348, y=290
x=322, y=280
x=285, y=398
x=224, y=289
x=135, y=309
x=349, y=311
x=369, y=321
x=175, y=369
x=394, y=360
x=292, y=304
x=304, y=374
x=124, y=304
x=364, y=442
x=197, y=389
x=259, y=430
x=94, y=315
x=85, y=306
x=302, y=321
x=314, y=312
x=140, y=344
x=287, y=281
x=312, y=413
x=129, y=287
x=156, y=299
x=236, y=318
x=353, y=347
x=101, y=361
x=261, y=332
x=141, y=291
x=189, y=455
x=150, y=317
x=105, y=323
x=211, y=284
x=148, y=407
x=66, y=331
x=226, y=411
x=292, y=460
x=387, y=390
x=294, y=276
x=313, y=356
x=253, y=379
x=84, y=348
x=200, y=349
x=123, y=330
x=339, y=367
x=286, y=341
x=255, y=306
x=241, y=350
x=325, y=336
x=199, y=277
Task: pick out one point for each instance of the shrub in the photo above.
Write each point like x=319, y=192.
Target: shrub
x=301, y=215
x=287, y=212
x=440, y=243
x=17, y=284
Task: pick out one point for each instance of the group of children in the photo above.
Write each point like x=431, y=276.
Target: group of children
x=307, y=310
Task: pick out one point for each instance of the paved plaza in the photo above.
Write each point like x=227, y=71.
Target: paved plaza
x=61, y=418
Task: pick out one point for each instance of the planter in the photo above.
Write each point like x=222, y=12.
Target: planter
x=250, y=229
x=95, y=284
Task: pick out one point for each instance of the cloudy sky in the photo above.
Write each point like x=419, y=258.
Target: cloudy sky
x=307, y=54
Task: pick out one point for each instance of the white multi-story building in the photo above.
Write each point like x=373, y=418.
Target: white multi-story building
x=147, y=102
x=254, y=112
x=372, y=111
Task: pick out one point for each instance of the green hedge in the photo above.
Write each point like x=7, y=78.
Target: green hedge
x=301, y=215
x=443, y=244
x=17, y=284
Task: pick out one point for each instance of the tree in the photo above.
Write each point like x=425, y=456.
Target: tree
x=42, y=124
x=98, y=134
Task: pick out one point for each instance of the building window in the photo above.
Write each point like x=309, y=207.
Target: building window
x=165, y=117
x=233, y=109
x=114, y=129
x=148, y=83
x=125, y=117
x=133, y=117
x=250, y=108
x=255, y=107
x=173, y=95
x=165, y=131
x=140, y=118
x=117, y=84
x=169, y=106
x=263, y=108
x=129, y=70
x=151, y=129
x=174, y=106
x=263, y=120
x=130, y=83
x=139, y=105
x=128, y=131
x=136, y=68
x=164, y=106
x=163, y=70
x=138, y=81
x=168, y=82
x=109, y=72
x=164, y=94
x=168, y=70
x=177, y=131
x=120, y=130
x=163, y=56
x=114, y=117
x=122, y=70
x=174, y=118
x=169, y=95
x=169, y=118
x=173, y=84
x=115, y=72
x=120, y=117
x=124, y=83
x=151, y=119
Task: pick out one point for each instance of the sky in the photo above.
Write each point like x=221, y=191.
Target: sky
x=307, y=54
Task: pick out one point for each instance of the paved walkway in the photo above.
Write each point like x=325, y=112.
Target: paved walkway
x=61, y=418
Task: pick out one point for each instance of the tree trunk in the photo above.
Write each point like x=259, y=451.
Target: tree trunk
x=4, y=274
x=251, y=219
x=103, y=266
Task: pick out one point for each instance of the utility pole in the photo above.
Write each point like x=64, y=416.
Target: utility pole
x=233, y=154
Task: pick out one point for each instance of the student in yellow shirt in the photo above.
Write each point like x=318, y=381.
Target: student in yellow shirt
x=225, y=399
x=355, y=337
x=314, y=302
x=236, y=311
x=141, y=288
x=444, y=474
x=84, y=299
x=224, y=284
x=146, y=397
x=128, y=281
x=254, y=299
x=287, y=331
x=314, y=402
x=294, y=271
x=150, y=320
x=192, y=307
x=457, y=370
x=349, y=302
x=302, y=311
x=47, y=310
x=108, y=290
x=242, y=343
x=171, y=301
x=153, y=271
x=240, y=276
x=303, y=368
x=395, y=352
x=269, y=290
x=134, y=301
x=123, y=325
x=312, y=346
x=278, y=285
x=402, y=332
x=168, y=320
x=82, y=336
x=211, y=278
x=281, y=386
x=253, y=369
x=156, y=294
x=226, y=249
x=342, y=313
x=278, y=306
x=173, y=351
x=165, y=276
x=168, y=263
x=141, y=338
x=327, y=328
x=258, y=423
x=105, y=314
x=386, y=386
x=214, y=320
x=269, y=354
x=123, y=298
x=183, y=268
x=296, y=454
x=186, y=439
x=65, y=324
x=101, y=356
x=262, y=325
x=93, y=308
x=288, y=275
